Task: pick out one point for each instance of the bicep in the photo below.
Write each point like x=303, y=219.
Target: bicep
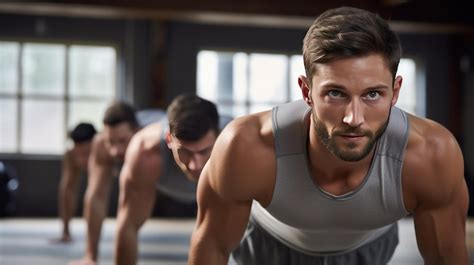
x=440, y=219
x=99, y=171
x=221, y=222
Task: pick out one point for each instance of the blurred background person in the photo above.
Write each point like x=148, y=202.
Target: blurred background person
x=74, y=164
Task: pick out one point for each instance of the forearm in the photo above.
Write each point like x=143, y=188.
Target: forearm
x=94, y=213
x=126, y=244
x=203, y=252
x=132, y=214
x=67, y=192
x=461, y=258
x=67, y=203
x=66, y=209
x=447, y=262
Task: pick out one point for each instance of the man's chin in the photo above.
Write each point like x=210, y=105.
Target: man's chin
x=351, y=155
x=118, y=158
x=194, y=177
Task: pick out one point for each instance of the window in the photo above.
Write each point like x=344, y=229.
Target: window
x=47, y=88
x=242, y=83
x=411, y=98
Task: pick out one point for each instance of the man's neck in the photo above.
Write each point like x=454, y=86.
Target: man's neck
x=326, y=166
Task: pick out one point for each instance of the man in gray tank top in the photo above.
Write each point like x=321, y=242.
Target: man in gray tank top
x=324, y=180
x=167, y=156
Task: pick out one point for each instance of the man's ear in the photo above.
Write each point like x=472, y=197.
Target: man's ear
x=397, y=85
x=168, y=139
x=305, y=89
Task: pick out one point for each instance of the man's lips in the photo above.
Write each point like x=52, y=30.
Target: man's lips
x=352, y=137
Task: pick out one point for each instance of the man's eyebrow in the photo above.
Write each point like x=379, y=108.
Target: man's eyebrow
x=332, y=85
x=201, y=150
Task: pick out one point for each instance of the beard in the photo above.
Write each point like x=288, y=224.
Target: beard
x=348, y=152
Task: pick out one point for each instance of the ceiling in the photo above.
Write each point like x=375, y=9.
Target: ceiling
x=425, y=15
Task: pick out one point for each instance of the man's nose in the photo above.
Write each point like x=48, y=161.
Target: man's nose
x=196, y=162
x=353, y=115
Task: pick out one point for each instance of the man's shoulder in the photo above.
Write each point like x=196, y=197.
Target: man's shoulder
x=69, y=162
x=99, y=138
x=430, y=138
x=433, y=164
x=246, y=133
x=243, y=160
x=99, y=151
x=146, y=141
x=151, y=131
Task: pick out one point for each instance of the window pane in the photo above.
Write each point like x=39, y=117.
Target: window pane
x=407, y=99
x=232, y=110
x=8, y=67
x=225, y=76
x=225, y=110
x=297, y=69
x=239, y=110
x=260, y=107
x=43, y=69
x=240, y=79
x=86, y=111
x=207, y=75
x=8, y=125
x=42, y=127
x=268, y=78
x=92, y=71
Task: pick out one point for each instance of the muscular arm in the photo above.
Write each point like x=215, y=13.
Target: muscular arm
x=232, y=178
x=441, y=202
x=137, y=195
x=97, y=197
x=220, y=225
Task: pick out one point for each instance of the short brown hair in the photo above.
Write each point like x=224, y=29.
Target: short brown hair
x=191, y=117
x=349, y=32
x=119, y=112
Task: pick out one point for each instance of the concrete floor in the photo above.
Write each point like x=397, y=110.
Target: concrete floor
x=162, y=241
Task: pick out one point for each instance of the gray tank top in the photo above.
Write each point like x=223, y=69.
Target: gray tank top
x=304, y=216
x=173, y=182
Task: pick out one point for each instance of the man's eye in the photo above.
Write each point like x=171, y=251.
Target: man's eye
x=206, y=151
x=373, y=95
x=335, y=93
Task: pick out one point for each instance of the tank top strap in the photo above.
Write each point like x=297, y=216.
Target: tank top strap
x=290, y=133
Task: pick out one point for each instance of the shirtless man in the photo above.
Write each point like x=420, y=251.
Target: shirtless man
x=325, y=179
x=74, y=164
x=107, y=155
x=167, y=156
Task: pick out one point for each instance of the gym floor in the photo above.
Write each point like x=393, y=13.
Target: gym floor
x=162, y=241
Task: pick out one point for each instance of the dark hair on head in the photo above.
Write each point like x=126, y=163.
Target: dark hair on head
x=119, y=112
x=83, y=132
x=349, y=32
x=191, y=117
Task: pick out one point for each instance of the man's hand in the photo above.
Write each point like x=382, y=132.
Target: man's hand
x=65, y=239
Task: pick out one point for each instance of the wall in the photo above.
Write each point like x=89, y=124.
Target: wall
x=185, y=41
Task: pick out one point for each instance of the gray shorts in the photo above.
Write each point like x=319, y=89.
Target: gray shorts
x=258, y=247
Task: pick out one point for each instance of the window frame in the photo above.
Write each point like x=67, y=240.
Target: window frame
x=65, y=98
